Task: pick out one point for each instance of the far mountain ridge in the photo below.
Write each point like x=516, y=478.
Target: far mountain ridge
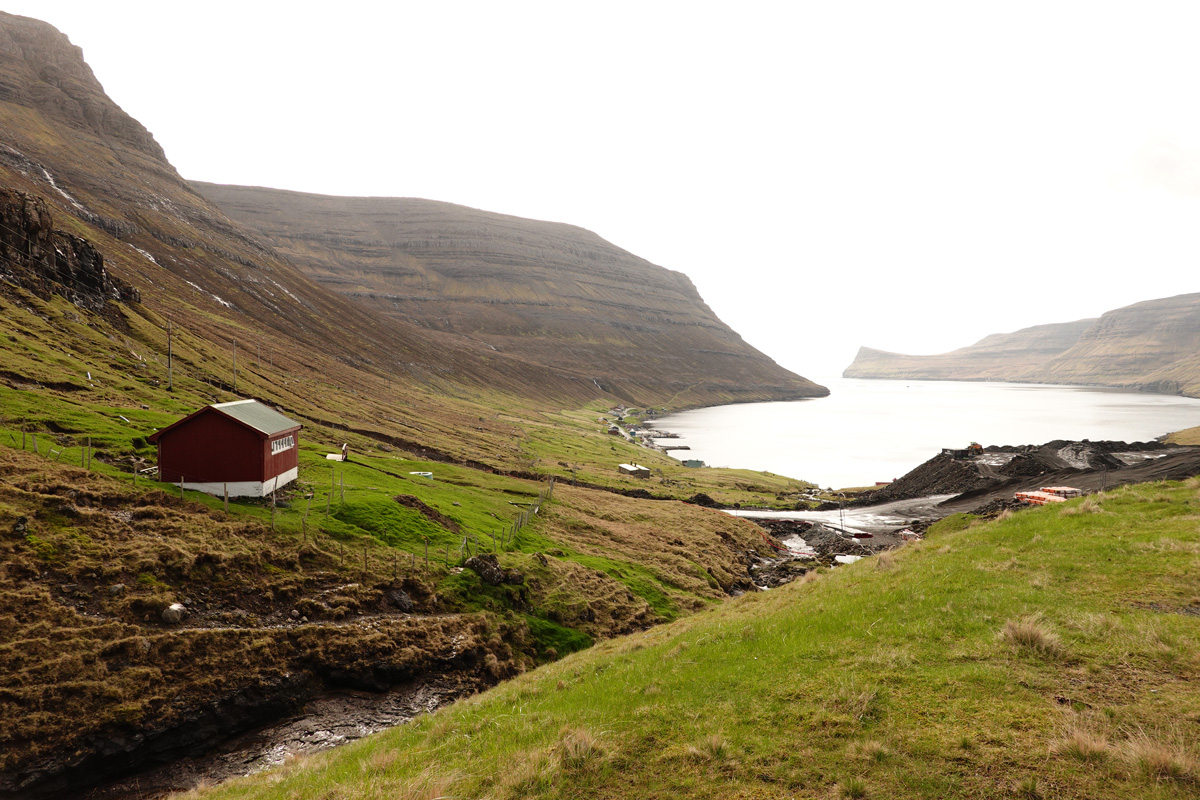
x=549, y=292
x=1153, y=345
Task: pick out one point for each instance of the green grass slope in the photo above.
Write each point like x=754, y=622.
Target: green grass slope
x=1051, y=653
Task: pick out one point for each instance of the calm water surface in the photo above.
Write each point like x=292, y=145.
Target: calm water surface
x=868, y=431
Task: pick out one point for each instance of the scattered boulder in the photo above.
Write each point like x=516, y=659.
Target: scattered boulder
x=173, y=614
x=398, y=598
x=487, y=567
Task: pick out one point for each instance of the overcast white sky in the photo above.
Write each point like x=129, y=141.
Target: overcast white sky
x=909, y=175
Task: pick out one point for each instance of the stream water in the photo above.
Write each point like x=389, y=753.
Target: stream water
x=882, y=518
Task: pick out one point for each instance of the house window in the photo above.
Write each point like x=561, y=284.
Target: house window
x=279, y=445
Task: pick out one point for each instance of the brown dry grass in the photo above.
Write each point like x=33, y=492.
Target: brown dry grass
x=670, y=538
x=1083, y=738
x=871, y=750
x=1032, y=635
x=579, y=750
x=1089, y=505
x=83, y=585
x=1162, y=757
x=710, y=748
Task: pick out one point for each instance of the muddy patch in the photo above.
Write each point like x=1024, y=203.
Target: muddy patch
x=432, y=514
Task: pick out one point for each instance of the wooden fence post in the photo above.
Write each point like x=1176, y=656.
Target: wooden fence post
x=304, y=521
x=226, y=486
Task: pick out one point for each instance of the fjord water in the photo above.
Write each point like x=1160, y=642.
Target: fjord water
x=875, y=430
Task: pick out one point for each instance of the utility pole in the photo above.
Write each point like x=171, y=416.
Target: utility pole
x=170, y=358
x=235, y=366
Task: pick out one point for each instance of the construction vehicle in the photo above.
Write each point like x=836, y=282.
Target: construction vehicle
x=970, y=451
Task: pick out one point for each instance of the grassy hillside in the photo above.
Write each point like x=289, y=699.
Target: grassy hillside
x=1051, y=653
x=549, y=293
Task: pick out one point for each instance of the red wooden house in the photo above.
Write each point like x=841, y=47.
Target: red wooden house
x=243, y=447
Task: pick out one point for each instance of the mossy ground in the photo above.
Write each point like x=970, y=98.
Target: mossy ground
x=1053, y=653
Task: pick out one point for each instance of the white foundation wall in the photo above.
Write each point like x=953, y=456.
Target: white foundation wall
x=245, y=488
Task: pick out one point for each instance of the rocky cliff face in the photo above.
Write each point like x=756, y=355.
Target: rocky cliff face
x=1150, y=346
x=45, y=261
x=546, y=292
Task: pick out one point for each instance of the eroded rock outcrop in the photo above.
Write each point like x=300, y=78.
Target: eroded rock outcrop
x=45, y=261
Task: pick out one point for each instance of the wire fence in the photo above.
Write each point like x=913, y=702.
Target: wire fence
x=79, y=449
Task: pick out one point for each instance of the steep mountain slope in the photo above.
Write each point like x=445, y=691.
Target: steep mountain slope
x=552, y=293
x=106, y=180
x=1150, y=346
x=100, y=177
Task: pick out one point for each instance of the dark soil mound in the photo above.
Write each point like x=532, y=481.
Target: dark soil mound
x=941, y=474
x=1023, y=465
x=1086, y=465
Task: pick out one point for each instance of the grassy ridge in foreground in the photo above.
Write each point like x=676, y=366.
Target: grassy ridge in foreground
x=1053, y=653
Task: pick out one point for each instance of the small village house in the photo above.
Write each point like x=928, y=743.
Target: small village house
x=636, y=470
x=244, y=447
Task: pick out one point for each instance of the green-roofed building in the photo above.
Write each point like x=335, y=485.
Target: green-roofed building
x=244, y=448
